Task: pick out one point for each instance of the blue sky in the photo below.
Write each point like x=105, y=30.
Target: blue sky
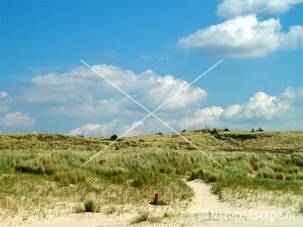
x=258, y=84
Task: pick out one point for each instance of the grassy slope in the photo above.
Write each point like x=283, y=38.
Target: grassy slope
x=42, y=172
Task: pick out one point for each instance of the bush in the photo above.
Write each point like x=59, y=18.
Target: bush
x=114, y=137
x=90, y=206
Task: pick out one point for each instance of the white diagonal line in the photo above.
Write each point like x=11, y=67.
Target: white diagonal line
x=152, y=113
x=187, y=86
x=98, y=153
x=188, y=141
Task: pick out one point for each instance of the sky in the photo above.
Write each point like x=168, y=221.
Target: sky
x=151, y=50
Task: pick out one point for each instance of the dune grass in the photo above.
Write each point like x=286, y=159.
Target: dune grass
x=43, y=171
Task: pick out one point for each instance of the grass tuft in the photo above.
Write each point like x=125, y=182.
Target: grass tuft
x=90, y=206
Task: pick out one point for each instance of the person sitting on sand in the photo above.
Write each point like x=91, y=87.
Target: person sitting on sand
x=156, y=199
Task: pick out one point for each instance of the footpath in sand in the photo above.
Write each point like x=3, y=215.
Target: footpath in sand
x=207, y=210
x=204, y=199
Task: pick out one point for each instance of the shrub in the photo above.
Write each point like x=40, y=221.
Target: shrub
x=90, y=206
x=114, y=137
x=159, y=134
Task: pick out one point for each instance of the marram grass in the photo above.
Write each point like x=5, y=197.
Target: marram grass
x=42, y=172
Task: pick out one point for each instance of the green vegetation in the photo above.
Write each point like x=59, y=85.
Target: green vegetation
x=90, y=206
x=42, y=172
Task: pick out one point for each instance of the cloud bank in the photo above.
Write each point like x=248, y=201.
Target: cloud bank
x=261, y=110
x=79, y=95
x=275, y=112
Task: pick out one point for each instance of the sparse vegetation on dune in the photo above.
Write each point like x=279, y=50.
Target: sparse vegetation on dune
x=43, y=172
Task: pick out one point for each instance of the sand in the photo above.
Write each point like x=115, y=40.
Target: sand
x=204, y=198
x=205, y=210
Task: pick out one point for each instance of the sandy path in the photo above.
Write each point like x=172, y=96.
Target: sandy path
x=205, y=202
x=204, y=198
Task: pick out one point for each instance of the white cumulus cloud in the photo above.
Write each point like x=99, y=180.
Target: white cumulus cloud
x=16, y=120
x=261, y=105
x=231, y=8
x=275, y=112
x=244, y=37
x=81, y=91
